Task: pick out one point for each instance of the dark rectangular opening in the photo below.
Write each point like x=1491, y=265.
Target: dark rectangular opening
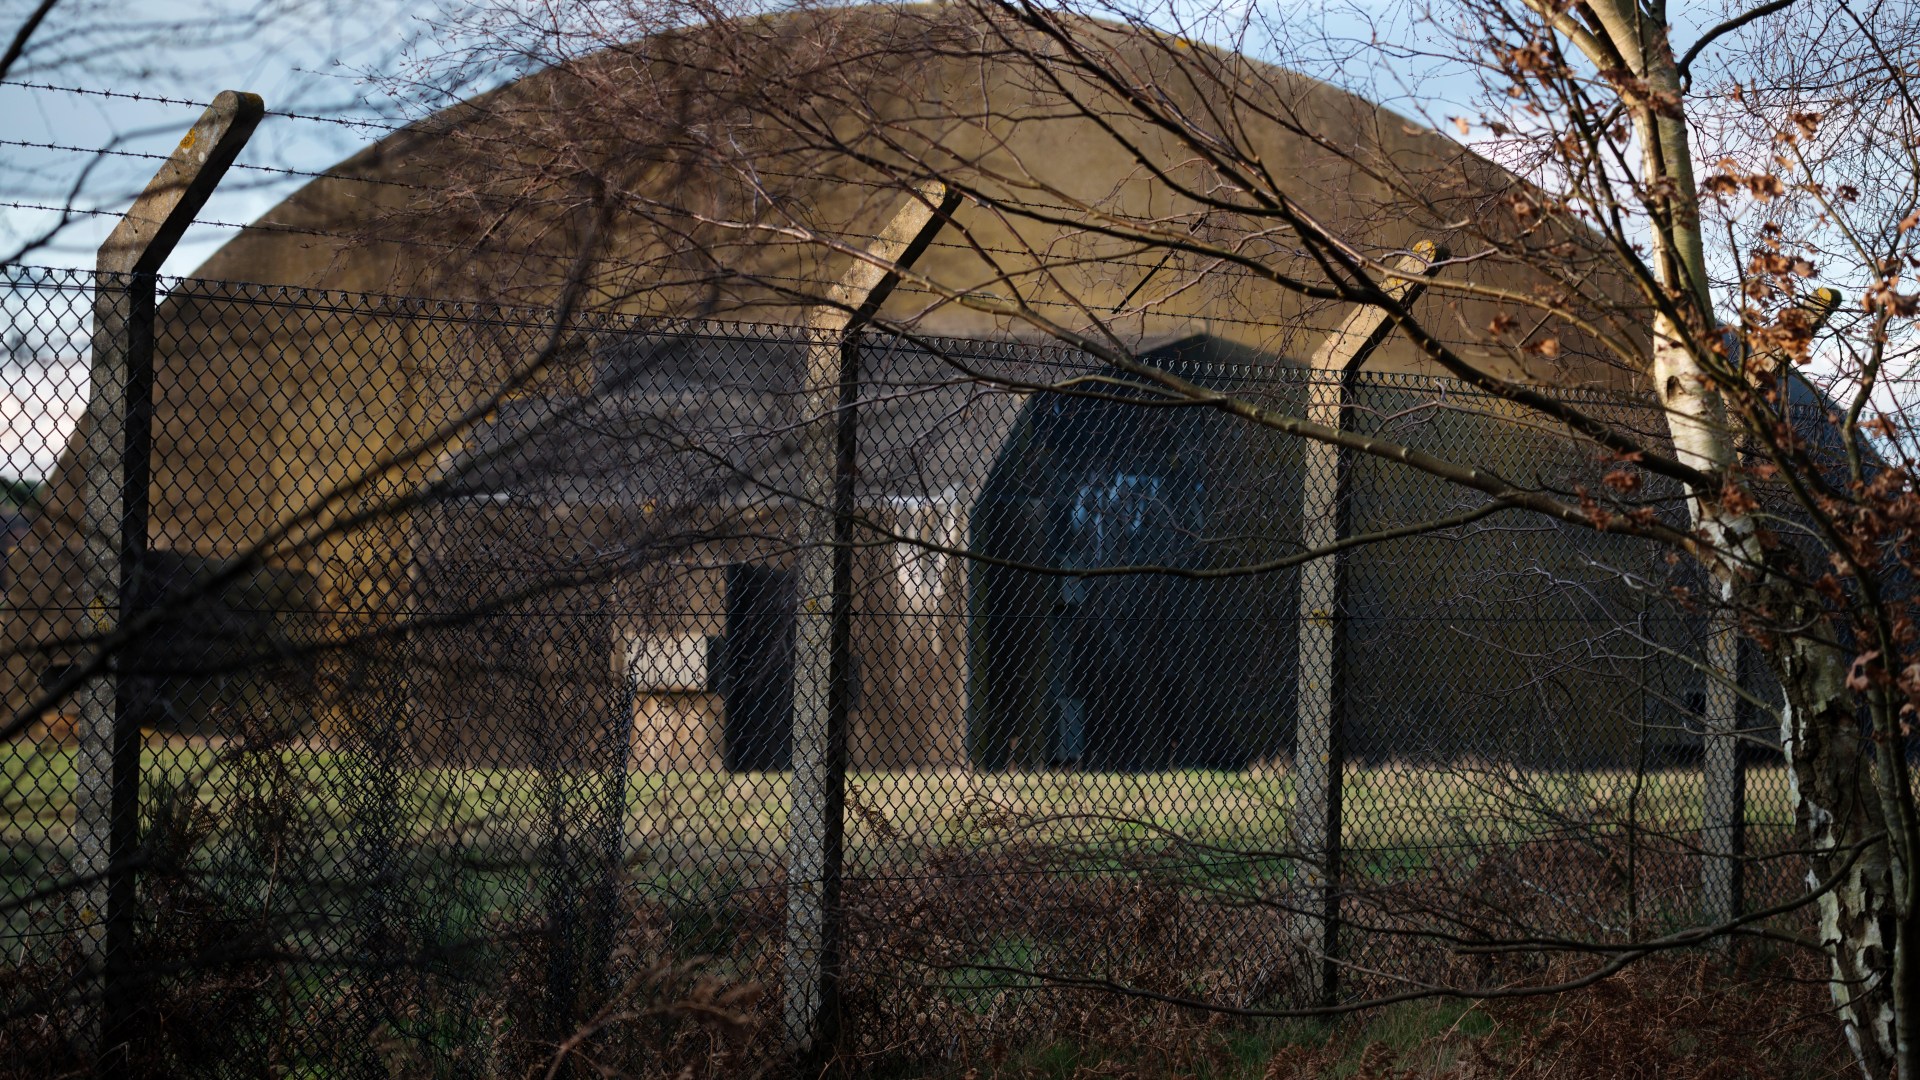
x=756, y=673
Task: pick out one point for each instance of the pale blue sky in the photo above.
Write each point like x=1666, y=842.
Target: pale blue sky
x=307, y=60
x=317, y=72
x=307, y=63
x=310, y=58
x=299, y=64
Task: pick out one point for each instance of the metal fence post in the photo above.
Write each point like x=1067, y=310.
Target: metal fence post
x=823, y=660
x=1319, y=757
x=1723, y=809
x=117, y=449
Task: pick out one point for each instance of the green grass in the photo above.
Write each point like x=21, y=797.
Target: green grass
x=472, y=839
x=467, y=845
x=1389, y=807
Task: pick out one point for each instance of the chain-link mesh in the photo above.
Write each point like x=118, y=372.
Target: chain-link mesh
x=484, y=683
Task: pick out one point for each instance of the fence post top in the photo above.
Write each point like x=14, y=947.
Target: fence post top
x=181, y=186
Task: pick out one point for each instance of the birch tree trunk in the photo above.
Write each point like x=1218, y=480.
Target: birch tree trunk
x=1841, y=798
x=1836, y=800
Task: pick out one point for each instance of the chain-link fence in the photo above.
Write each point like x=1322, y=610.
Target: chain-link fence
x=432, y=689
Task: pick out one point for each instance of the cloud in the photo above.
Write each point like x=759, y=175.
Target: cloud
x=39, y=406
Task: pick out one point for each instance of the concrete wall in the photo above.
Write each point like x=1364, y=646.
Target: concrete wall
x=270, y=400
x=538, y=678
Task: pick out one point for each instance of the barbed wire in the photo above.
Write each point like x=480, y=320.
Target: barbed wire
x=147, y=156
x=394, y=128
x=276, y=227
x=1238, y=274
x=157, y=99
x=1228, y=271
x=778, y=280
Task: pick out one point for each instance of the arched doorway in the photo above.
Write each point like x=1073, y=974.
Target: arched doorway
x=1136, y=671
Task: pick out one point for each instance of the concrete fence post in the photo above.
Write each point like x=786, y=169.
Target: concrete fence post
x=117, y=449
x=823, y=661
x=1319, y=754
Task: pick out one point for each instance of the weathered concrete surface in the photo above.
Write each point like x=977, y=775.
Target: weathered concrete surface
x=261, y=416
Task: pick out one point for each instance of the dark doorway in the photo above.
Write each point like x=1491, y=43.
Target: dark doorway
x=756, y=675
x=1141, y=671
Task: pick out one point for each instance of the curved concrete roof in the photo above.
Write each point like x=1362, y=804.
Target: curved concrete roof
x=484, y=199
x=264, y=407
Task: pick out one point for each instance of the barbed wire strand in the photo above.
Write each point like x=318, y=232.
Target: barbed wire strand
x=146, y=156
x=391, y=127
x=394, y=128
x=1237, y=273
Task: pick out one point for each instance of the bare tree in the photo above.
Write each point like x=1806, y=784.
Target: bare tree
x=1669, y=204
x=108, y=82
x=1653, y=219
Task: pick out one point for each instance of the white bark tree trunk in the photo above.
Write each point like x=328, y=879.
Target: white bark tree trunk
x=1840, y=795
x=1837, y=803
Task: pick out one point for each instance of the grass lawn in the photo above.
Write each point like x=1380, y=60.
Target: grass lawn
x=479, y=834
x=1388, y=807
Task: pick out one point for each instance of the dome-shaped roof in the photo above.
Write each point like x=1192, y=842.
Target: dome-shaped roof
x=736, y=164
x=732, y=172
